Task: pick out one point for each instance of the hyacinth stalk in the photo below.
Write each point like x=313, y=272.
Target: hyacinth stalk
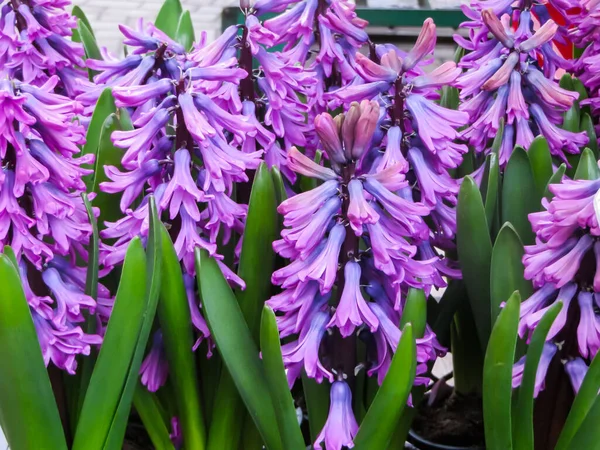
x=511, y=66
x=359, y=241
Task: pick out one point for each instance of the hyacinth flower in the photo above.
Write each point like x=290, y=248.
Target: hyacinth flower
x=586, y=34
x=563, y=266
x=354, y=241
x=36, y=44
x=186, y=148
x=505, y=82
x=415, y=131
x=43, y=217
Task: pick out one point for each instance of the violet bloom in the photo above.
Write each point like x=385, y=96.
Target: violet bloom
x=563, y=265
x=35, y=44
x=341, y=425
x=42, y=214
x=505, y=81
x=356, y=235
x=155, y=370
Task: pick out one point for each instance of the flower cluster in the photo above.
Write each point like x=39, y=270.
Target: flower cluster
x=358, y=237
x=586, y=34
x=563, y=265
x=509, y=77
x=42, y=214
x=35, y=44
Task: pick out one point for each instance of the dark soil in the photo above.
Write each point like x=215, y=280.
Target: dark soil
x=456, y=420
x=136, y=438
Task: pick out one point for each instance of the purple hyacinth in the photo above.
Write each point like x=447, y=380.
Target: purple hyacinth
x=155, y=370
x=505, y=81
x=563, y=266
x=358, y=240
x=43, y=217
x=35, y=44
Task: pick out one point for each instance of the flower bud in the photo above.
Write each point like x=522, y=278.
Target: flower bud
x=365, y=128
x=328, y=133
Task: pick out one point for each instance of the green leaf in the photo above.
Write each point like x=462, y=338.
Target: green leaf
x=92, y=51
x=497, y=377
x=383, y=416
x=105, y=106
x=507, y=270
x=579, y=87
x=168, y=17
x=518, y=179
x=555, y=179
x=78, y=12
x=125, y=119
x=10, y=253
x=147, y=406
x=109, y=376
x=291, y=436
x=523, y=413
x=178, y=337
x=317, y=404
x=498, y=138
x=584, y=401
x=185, y=31
x=280, y=193
x=489, y=187
x=28, y=411
x=571, y=117
x=449, y=98
x=114, y=440
x=475, y=254
x=588, y=434
x=440, y=315
x=587, y=169
x=588, y=126
x=541, y=164
x=107, y=155
x=415, y=312
x=236, y=346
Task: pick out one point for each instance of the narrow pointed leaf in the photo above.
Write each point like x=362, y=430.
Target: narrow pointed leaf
x=147, y=406
x=475, y=253
x=291, y=436
x=236, y=346
x=105, y=106
x=168, y=17
x=415, y=312
x=108, y=379
x=78, y=12
x=541, y=164
x=28, y=411
x=176, y=325
x=555, y=179
x=587, y=169
x=518, y=179
x=185, y=31
x=489, y=187
x=92, y=51
x=497, y=142
x=114, y=440
x=588, y=435
x=584, y=401
x=571, y=117
x=507, y=270
x=523, y=413
x=588, y=126
x=383, y=416
x=125, y=119
x=280, y=193
x=497, y=377
x=107, y=155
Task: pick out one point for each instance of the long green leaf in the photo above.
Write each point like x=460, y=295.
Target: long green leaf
x=475, y=254
x=236, y=346
x=107, y=155
x=92, y=51
x=489, y=187
x=291, y=436
x=28, y=412
x=383, y=416
x=109, y=376
x=507, y=271
x=588, y=126
x=497, y=377
x=518, y=178
x=587, y=169
x=105, y=106
x=571, y=117
x=147, y=406
x=114, y=440
x=588, y=434
x=78, y=12
x=168, y=17
x=185, y=31
x=555, y=179
x=541, y=164
x=415, y=312
x=176, y=324
x=497, y=142
x=523, y=414
x=584, y=401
